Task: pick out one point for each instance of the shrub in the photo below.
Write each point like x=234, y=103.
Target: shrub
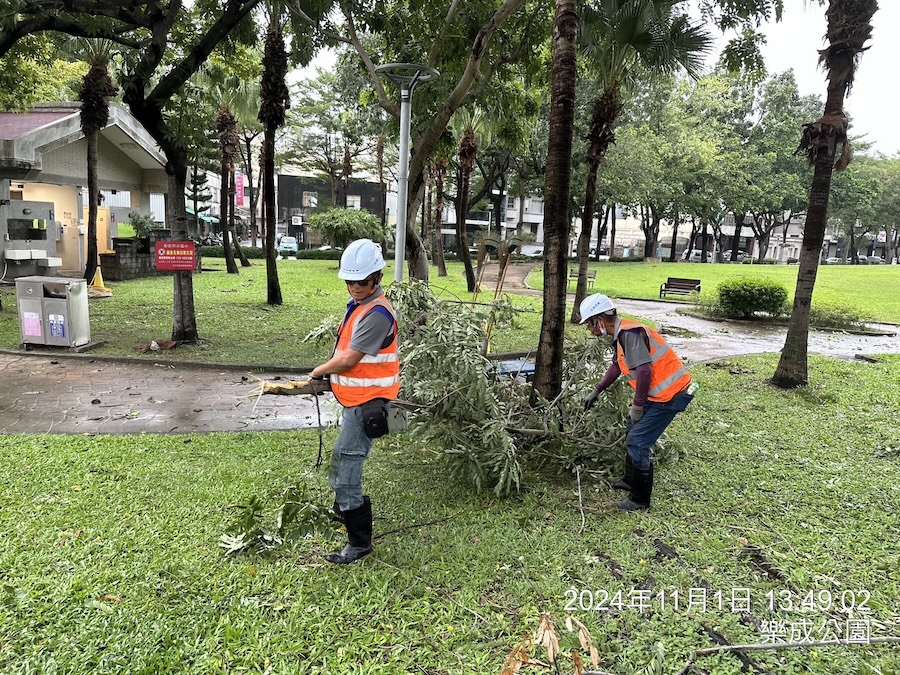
x=142, y=223
x=744, y=297
x=827, y=315
x=316, y=254
x=219, y=252
x=618, y=259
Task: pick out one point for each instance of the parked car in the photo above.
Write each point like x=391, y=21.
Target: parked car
x=834, y=261
x=696, y=255
x=532, y=251
x=873, y=260
x=287, y=246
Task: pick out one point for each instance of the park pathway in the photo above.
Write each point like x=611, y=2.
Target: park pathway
x=698, y=339
x=81, y=393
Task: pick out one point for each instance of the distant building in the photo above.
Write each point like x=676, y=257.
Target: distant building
x=43, y=169
x=300, y=196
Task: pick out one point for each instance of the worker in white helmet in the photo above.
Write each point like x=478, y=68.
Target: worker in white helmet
x=662, y=388
x=365, y=376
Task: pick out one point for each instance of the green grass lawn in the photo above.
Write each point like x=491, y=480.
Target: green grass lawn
x=234, y=321
x=109, y=560
x=237, y=326
x=872, y=290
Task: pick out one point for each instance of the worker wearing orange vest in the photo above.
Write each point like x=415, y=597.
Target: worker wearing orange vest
x=662, y=389
x=365, y=375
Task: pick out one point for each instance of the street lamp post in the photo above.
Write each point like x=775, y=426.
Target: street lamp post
x=406, y=76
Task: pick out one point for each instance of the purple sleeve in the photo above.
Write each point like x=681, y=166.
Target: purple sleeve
x=612, y=374
x=642, y=380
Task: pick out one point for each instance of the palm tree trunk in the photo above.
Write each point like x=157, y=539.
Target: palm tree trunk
x=273, y=287
x=237, y=240
x=90, y=266
x=548, y=367
x=849, y=27
x=254, y=192
x=224, y=198
x=584, y=238
x=440, y=171
x=462, y=236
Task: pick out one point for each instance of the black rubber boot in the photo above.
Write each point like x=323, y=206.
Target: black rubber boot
x=624, y=483
x=359, y=532
x=336, y=514
x=641, y=489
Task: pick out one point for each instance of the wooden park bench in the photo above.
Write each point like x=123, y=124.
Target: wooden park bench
x=677, y=286
x=591, y=276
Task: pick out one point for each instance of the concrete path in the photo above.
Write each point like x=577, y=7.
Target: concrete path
x=702, y=339
x=84, y=394
x=87, y=394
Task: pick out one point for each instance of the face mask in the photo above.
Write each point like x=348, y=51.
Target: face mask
x=603, y=330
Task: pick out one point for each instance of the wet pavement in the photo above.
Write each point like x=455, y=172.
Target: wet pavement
x=698, y=339
x=83, y=394
x=69, y=393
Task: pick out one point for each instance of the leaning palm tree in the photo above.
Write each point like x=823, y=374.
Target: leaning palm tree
x=825, y=144
x=97, y=89
x=619, y=37
x=274, y=101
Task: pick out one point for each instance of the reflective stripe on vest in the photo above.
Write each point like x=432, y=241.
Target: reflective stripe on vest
x=376, y=375
x=668, y=376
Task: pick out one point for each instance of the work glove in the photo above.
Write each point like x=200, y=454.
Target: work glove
x=591, y=400
x=635, y=413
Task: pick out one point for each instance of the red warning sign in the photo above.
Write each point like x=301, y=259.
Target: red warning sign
x=176, y=255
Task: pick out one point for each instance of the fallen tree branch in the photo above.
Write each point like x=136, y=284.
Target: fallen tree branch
x=417, y=525
x=580, y=501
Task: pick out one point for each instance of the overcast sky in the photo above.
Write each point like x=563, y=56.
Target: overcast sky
x=794, y=42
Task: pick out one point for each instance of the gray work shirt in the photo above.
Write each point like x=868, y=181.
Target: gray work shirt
x=374, y=331
x=634, y=345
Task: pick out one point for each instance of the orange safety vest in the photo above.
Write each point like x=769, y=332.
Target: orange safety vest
x=668, y=376
x=375, y=376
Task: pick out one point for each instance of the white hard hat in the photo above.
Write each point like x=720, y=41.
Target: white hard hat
x=360, y=259
x=593, y=305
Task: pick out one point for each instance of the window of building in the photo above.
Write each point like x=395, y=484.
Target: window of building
x=310, y=199
x=510, y=202
x=354, y=202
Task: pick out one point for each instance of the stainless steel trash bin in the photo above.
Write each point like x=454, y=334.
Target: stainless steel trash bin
x=53, y=311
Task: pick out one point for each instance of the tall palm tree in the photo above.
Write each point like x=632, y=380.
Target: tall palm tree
x=274, y=101
x=229, y=146
x=439, y=170
x=97, y=89
x=825, y=144
x=558, y=180
x=469, y=125
x=238, y=103
x=617, y=37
